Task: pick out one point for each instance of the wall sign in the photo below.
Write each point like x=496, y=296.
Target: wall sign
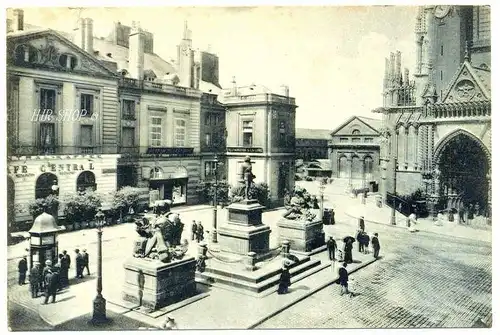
x=244, y=149
x=170, y=151
x=21, y=171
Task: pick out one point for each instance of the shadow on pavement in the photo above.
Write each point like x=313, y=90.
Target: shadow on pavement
x=115, y=322
x=296, y=288
x=24, y=319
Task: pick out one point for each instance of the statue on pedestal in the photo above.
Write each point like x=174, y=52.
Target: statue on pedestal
x=246, y=176
x=299, y=206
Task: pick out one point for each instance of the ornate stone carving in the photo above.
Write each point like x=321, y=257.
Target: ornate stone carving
x=299, y=206
x=465, y=90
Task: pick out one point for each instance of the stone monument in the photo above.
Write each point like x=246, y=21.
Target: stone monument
x=158, y=274
x=302, y=228
x=244, y=231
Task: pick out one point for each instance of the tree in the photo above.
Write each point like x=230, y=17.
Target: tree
x=206, y=191
x=48, y=204
x=125, y=198
x=81, y=206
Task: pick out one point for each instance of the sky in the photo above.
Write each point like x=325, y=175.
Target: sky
x=331, y=57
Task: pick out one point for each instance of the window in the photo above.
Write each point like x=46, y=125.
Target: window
x=86, y=136
x=86, y=104
x=128, y=109
x=441, y=75
x=210, y=169
x=355, y=132
x=208, y=139
x=155, y=131
x=344, y=140
x=86, y=181
x=247, y=133
x=180, y=133
x=128, y=137
x=442, y=49
x=47, y=99
x=67, y=61
x=47, y=138
x=356, y=140
x=368, y=140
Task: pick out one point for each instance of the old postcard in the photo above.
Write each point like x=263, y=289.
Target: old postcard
x=263, y=167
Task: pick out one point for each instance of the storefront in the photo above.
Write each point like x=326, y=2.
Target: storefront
x=36, y=177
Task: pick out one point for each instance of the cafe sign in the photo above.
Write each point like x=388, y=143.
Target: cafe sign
x=21, y=171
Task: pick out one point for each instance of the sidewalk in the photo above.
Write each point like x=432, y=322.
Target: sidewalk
x=374, y=214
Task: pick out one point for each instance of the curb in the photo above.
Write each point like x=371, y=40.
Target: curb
x=299, y=299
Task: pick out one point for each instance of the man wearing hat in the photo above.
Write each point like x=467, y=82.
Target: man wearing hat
x=362, y=223
x=51, y=286
x=343, y=280
x=332, y=246
x=169, y=323
x=35, y=274
x=79, y=264
x=194, y=230
x=22, y=267
x=45, y=271
x=85, y=262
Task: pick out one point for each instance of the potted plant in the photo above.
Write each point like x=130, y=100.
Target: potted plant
x=49, y=204
x=73, y=211
x=125, y=199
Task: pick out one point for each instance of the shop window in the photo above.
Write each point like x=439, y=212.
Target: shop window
x=155, y=132
x=248, y=133
x=156, y=173
x=128, y=137
x=128, y=109
x=344, y=140
x=86, y=104
x=86, y=182
x=179, y=192
x=44, y=183
x=47, y=138
x=180, y=132
x=210, y=170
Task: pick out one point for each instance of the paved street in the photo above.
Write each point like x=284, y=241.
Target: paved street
x=423, y=280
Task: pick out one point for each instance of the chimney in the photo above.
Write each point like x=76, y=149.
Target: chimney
x=234, y=89
x=407, y=77
x=89, y=36
x=136, y=52
x=285, y=91
x=79, y=34
x=17, y=20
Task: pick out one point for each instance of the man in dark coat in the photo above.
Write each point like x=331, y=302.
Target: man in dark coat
x=332, y=247
x=51, y=285
x=461, y=213
x=199, y=236
x=359, y=238
x=343, y=280
x=22, y=267
x=45, y=271
x=362, y=223
x=375, y=245
x=285, y=281
x=65, y=264
x=34, y=278
x=194, y=230
x=79, y=264
x=85, y=262
x=348, y=251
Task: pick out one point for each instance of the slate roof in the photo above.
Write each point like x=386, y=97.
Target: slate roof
x=312, y=134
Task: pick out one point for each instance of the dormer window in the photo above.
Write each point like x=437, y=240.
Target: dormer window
x=68, y=61
x=26, y=53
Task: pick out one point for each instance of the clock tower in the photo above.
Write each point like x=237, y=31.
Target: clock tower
x=185, y=59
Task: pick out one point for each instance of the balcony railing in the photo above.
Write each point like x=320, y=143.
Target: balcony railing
x=471, y=109
x=263, y=97
x=157, y=87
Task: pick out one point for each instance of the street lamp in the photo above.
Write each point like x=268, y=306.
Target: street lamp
x=216, y=169
x=321, y=197
x=99, y=311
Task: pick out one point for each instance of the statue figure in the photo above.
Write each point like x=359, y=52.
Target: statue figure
x=160, y=238
x=299, y=206
x=246, y=176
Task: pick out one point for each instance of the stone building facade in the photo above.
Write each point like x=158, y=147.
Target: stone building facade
x=311, y=144
x=261, y=124
x=437, y=133
x=354, y=151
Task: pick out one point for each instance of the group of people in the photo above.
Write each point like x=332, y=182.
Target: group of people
x=52, y=277
x=197, y=231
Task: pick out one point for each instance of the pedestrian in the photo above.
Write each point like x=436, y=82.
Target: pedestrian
x=64, y=270
x=22, y=267
x=375, y=245
x=331, y=245
x=194, y=230
x=200, y=236
x=362, y=223
x=333, y=216
x=46, y=269
x=51, y=284
x=359, y=238
x=34, y=279
x=67, y=258
x=348, y=251
x=366, y=242
x=85, y=262
x=284, y=282
x=315, y=204
x=58, y=268
x=461, y=214
x=343, y=280
x=169, y=323
x=79, y=264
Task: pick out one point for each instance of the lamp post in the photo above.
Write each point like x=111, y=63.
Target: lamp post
x=99, y=311
x=214, y=234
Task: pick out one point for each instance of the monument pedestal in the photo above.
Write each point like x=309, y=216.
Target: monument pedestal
x=154, y=284
x=244, y=231
x=304, y=236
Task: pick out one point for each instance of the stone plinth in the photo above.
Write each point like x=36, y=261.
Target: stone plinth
x=304, y=236
x=154, y=284
x=244, y=231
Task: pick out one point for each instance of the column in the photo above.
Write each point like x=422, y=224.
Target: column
x=417, y=146
x=349, y=167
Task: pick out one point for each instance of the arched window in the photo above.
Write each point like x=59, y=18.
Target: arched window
x=357, y=168
x=156, y=173
x=343, y=167
x=86, y=181
x=44, y=183
x=356, y=132
x=368, y=168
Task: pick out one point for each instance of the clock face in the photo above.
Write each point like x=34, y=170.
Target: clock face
x=441, y=11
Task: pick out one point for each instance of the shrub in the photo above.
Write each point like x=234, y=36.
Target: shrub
x=81, y=206
x=206, y=190
x=48, y=204
x=260, y=192
x=125, y=198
